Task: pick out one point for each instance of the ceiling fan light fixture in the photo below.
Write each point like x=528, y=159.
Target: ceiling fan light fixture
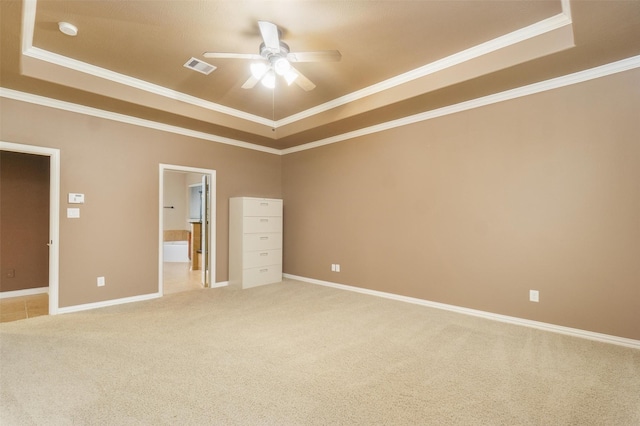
x=290, y=76
x=269, y=80
x=258, y=70
x=281, y=66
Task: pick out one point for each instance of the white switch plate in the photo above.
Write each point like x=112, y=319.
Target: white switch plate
x=76, y=198
x=337, y=267
x=73, y=212
x=534, y=296
x=100, y=281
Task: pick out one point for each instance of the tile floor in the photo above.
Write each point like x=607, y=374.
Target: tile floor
x=23, y=307
x=178, y=277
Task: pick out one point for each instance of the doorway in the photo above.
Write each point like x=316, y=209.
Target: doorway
x=54, y=218
x=187, y=228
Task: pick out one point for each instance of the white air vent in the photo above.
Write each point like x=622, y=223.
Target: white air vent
x=198, y=65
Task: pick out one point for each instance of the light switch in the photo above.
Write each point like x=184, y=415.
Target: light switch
x=76, y=198
x=73, y=212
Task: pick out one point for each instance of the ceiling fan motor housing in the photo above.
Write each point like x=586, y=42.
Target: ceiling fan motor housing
x=278, y=60
x=267, y=53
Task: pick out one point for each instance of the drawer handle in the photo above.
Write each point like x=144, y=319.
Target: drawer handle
x=264, y=254
x=264, y=204
x=264, y=270
x=264, y=238
x=264, y=220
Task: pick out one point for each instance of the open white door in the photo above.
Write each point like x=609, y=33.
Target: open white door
x=208, y=220
x=204, y=205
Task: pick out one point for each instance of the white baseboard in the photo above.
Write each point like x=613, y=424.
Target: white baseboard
x=95, y=305
x=590, y=335
x=25, y=292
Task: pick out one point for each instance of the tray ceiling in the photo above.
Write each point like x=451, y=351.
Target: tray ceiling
x=398, y=57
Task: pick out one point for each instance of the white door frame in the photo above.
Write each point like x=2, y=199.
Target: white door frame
x=54, y=212
x=212, y=220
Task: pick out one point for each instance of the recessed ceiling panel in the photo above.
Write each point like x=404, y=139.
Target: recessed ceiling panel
x=135, y=53
x=151, y=40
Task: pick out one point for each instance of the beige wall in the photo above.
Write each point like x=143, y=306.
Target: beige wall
x=472, y=209
x=476, y=208
x=116, y=166
x=24, y=221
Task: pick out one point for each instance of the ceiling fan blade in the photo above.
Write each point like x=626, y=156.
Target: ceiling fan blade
x=221, y=55
x=250, y=83
x=303, y=81
x=318, y=56
x=270, y=35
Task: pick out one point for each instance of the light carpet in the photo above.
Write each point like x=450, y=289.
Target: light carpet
x=300, y=354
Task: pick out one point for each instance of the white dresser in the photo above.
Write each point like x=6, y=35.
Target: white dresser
x=255, y=241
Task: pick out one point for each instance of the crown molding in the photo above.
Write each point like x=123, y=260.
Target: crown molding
x=556, y=83
x=539, y=28
x=566, y=8
x=63, y=61
x=122, y=118
x=28, y=23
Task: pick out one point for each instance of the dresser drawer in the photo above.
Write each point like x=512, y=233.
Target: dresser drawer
x=262, y=224
x=262, y=275
x=253, y=259
x=262, y=207
x=251, y=242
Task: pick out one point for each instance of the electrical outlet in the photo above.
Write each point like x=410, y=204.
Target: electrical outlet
x=101, y=282
x=534, y=296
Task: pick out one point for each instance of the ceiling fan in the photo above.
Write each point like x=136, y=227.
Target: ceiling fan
x=275, y=59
